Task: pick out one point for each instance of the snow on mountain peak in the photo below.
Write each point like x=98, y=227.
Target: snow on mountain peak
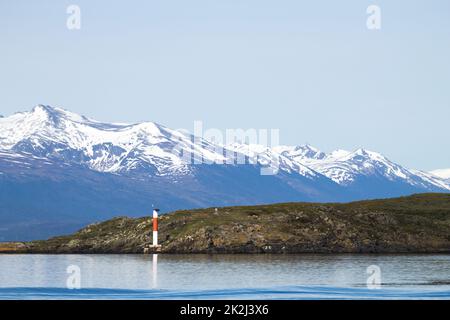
x=345, y=167
x=55, y=113
x=58, y=134
x=43, y=109
x=441, y=173
x=301, y=152
x=278, y=158
x=338, y=154
x=361, y=155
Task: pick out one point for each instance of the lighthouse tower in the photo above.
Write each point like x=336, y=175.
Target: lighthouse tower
x=155, y=227
x=154, y=247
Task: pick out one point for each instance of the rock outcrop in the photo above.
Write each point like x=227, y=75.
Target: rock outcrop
x=419, y=223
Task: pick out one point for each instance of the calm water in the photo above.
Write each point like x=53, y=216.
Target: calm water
x=224, y=276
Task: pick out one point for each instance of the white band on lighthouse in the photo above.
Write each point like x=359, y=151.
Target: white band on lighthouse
x=155, y=238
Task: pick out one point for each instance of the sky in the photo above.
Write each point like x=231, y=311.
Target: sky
x=311, y=69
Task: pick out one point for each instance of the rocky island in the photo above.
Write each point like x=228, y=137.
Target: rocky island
x=414, y=224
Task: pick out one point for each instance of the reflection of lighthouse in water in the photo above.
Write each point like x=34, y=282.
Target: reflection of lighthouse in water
x=155, y=271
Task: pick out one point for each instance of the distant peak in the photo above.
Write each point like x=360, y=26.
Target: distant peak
x=311, y=152
x=56, y=113
x=300, y=152
x=361, y=151
x=365, y=152
x=306, y=146
x=43, y=107
x=49, y=111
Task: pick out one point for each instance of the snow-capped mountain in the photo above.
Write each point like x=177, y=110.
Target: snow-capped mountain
x=345, y=168
x=57, y=134
x=60, y=170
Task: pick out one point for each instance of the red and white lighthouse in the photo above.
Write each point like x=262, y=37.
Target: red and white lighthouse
x=155, y=227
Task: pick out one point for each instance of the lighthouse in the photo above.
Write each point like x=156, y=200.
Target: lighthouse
x=155, y=227
x=154, y=247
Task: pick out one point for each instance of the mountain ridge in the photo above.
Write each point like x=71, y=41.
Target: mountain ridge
x=84, y=170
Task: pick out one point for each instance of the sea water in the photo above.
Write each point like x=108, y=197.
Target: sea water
x=191, y=276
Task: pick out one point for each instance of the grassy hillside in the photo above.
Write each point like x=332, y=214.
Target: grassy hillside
x=418, y=223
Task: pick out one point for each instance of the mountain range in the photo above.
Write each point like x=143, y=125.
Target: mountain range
x=60, y=171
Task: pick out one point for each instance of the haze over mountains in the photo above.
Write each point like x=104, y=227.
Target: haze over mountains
x=60, y=171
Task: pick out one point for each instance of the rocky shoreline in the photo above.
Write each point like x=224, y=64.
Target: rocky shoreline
x=414, y=224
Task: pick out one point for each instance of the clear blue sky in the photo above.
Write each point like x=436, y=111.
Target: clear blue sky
x=310, y=68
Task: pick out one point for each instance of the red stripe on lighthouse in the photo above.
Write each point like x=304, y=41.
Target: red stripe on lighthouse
x=155, y=224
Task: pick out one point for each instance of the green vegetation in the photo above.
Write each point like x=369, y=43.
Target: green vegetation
x=418, y=223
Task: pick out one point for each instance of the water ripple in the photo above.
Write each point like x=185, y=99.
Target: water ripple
x=287, y=292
